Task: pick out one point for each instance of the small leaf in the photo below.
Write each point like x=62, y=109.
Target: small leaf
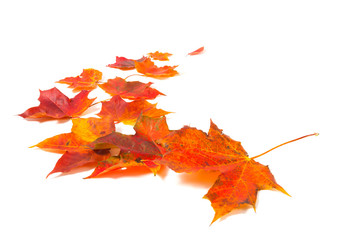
x=87, y=80
x=197, y=51
x=124, y=63
x=129, y=90
x=54, y=104
x=160, y=56
x=149, y=69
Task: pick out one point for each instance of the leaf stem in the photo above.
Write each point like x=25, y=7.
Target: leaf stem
x=134, y=75
x=314, y=134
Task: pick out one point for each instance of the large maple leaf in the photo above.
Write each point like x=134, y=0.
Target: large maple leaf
x=130, y=90
x=149, y=69
x=54, y=104
x=190, y=149
x=87, y=80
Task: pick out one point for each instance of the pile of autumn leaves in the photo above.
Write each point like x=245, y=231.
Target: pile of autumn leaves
x=94, y=139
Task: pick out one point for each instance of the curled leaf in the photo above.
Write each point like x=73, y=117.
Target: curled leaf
x=197, y=51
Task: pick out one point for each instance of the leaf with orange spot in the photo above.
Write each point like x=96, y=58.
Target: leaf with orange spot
x=149, y=69
x=197, y=51
x=128, y=112
x=125, y=63
x=87, y=80
x=130, y=90
x=54, y=104
x=160, y=56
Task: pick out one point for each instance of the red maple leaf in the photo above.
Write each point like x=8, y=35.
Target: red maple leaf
x=54, y=104
x=125, y=63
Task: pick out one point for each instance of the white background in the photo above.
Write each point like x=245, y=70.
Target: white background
x=272, y=71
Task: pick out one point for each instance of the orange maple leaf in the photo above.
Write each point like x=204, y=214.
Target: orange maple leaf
x=160, y=56
x=54, y=104
x=87, y=80
x=149, y=69
x=129, y=90
x=241, y=177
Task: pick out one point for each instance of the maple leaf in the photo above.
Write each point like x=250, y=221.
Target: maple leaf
x=87, y=80
x=149, y=69
x=128, y=112
x=190, y=149
x=197, y=51
x=54, y=104
x=130, y=90
x=160, y=56
x=125, y=63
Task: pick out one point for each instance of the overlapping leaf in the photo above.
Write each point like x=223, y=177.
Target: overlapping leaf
x=54, y=104
x=149, y=69
x=87, y=80
x=125, y=63
x=128, y=112
x=130, y=90
x=189, y=150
